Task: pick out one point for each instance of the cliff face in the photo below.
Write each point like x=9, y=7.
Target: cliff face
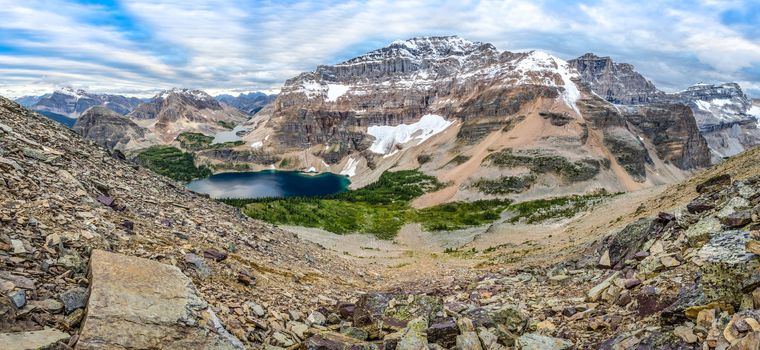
x=673, y=131
x=111, y=130
x=618, y=83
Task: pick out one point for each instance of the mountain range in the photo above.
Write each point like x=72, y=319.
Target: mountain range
x=510, y=177
x=488, y=122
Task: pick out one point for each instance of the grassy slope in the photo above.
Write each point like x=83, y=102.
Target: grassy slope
x=172, y=162
x=383, y=207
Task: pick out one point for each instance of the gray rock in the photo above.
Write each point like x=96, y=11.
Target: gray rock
x=18, y=298
x=74, y=298
x=532, y=341
x=199, y=265
x=468, y=341
x=727, y=247
x=316, y=318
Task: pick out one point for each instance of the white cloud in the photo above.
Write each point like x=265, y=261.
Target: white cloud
x=241, y=45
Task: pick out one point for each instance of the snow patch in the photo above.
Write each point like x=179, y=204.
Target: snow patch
x=716, y=103
x=257, y=144
x=542, y=62
x=350, y=168
x=336, y=90
x=754, y=111
x=387, y=137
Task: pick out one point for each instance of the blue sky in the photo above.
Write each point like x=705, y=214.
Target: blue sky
x=142, y=46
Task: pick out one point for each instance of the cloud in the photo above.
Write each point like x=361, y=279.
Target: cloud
x=142, y=46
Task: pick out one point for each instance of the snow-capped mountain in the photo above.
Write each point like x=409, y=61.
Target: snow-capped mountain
x=716, y=104
x=725, y=115
x=250, y=103
x=452, y=106
x=174, y=111
x=73, y=102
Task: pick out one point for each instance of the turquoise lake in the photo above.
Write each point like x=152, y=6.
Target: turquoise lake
x=270, y=183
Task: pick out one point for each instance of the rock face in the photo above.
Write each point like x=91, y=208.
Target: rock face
x=673, y=131
x=250, y=103
x=136, y=303
x=181, y=110
x=111, y=130
x=618, y=83
x=73, y=103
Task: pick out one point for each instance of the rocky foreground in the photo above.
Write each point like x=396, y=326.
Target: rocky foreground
x=97, y=253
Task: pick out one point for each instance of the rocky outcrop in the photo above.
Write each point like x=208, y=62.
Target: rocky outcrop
x=136, y=303
x=617, y=83
x=73, y=103
x=110, y=129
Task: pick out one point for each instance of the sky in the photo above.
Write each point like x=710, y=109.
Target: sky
x=230, y=46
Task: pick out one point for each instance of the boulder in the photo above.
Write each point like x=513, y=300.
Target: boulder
x=137, y=303
x=443, y=332
x=468, y=341
x=727, y=265
x=737, y=219
x=625, y=244
x=714, y=183
x=699, y=205
x=701, y=230
x=414, y=337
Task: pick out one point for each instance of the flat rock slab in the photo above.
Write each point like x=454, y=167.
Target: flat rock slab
x=32, y=340
x=137, y=303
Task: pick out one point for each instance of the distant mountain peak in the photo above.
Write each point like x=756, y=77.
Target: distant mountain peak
x=70, y=91
x=192, y=94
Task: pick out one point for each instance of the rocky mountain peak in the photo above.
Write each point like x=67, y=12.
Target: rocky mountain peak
x=704, y=91
x=423, y=48
x=615, y=82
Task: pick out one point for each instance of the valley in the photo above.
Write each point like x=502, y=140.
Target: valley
x=435, y=193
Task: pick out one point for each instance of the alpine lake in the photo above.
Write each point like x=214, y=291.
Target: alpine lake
x=270, y=184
